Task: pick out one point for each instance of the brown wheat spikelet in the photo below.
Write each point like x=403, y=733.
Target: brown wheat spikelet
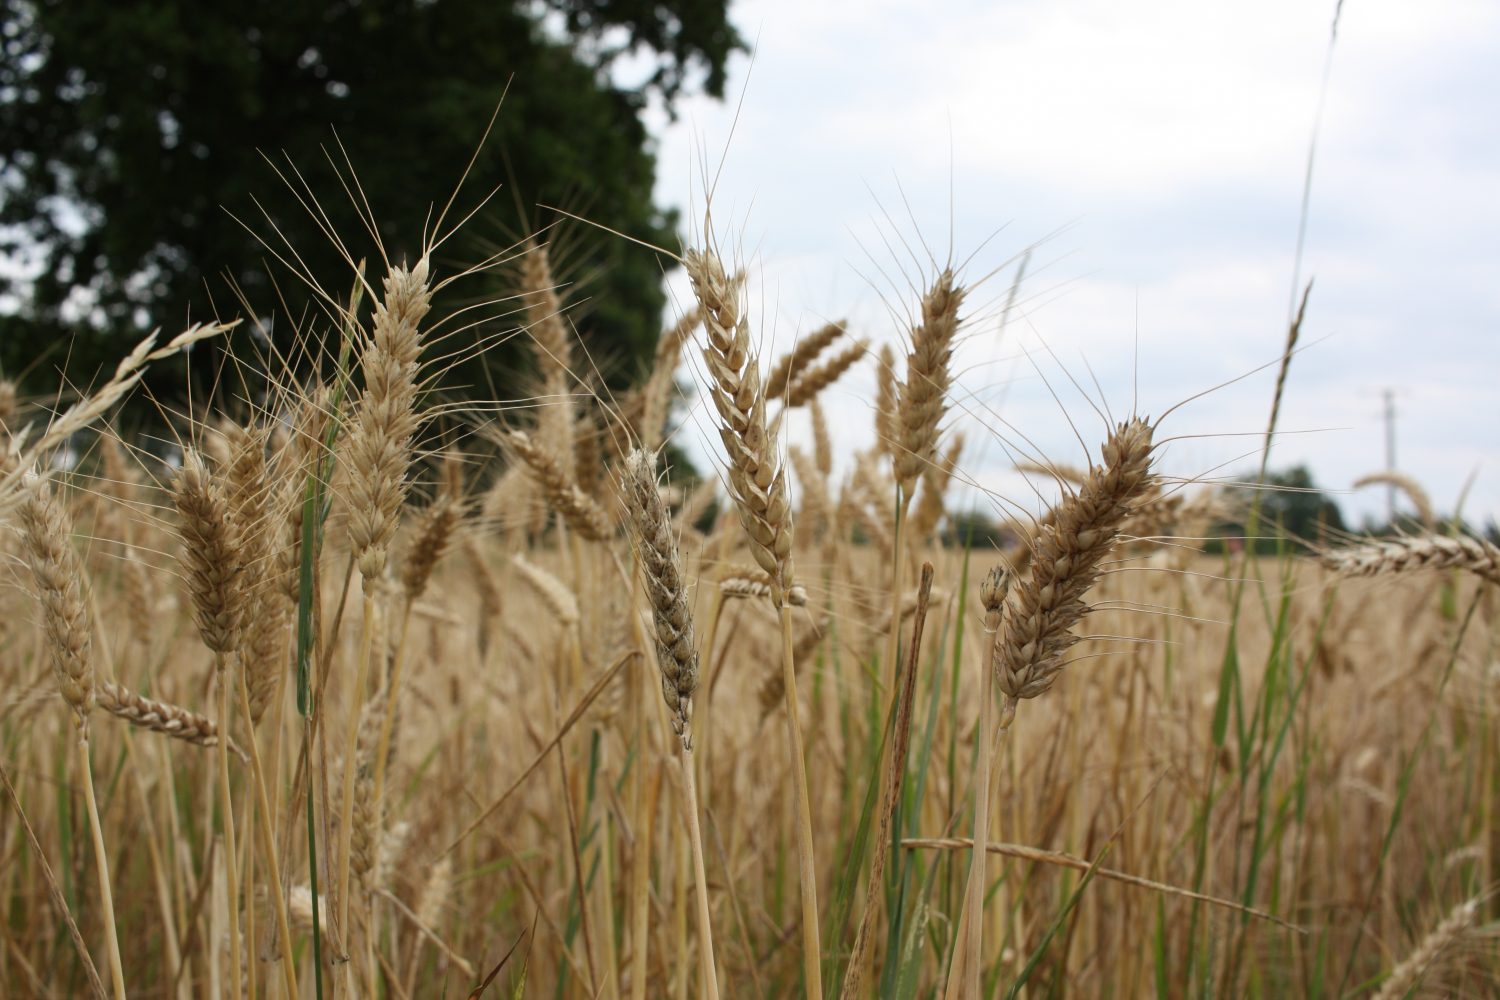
x=925, y=390
x=815, y=380
x=1406, y=975
x=58, y=574
x=757, y=481
x=159, y=716
x=661, y=575
x=1066, y=557
x=791, y=365
x=1408, y=554
x=887, y=400
x=434, y=535
x=576, y=507
x=554, y=351
x=378, y=449
x=212, y=555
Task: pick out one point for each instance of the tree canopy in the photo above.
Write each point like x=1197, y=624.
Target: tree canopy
x=138, y=137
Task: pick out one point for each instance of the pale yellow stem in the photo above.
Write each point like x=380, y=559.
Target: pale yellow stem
x=101, y=865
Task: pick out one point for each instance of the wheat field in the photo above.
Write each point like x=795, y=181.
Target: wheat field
x=354, y=688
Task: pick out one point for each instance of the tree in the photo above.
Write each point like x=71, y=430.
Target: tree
x=131, y=134
x=1292, y=507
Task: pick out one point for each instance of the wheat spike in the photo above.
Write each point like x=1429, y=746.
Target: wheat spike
x=757, y=481
x=1419, y=552
x=58, y=574
x=661, y=575
x=815, y=380
x=1408, y=485
x=212, y=556
x=924, y=392
x=159, y=716
x=576, y=507
x=378, y=450
x=1066, y=558
x=791, y=365
x=1405, y=976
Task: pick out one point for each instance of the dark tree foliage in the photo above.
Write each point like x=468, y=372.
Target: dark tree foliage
x=1293, y=511
x=133, y=134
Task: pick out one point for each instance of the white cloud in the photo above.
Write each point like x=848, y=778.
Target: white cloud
x=1167, y=140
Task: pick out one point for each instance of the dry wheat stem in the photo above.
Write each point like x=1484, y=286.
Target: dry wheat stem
x=1022, y=852
x=893, y=777
x=268, y=849
x=101, y=867
x=992, y=594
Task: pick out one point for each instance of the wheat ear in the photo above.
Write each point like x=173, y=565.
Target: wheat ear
x=1419, y=552
x=757, y=483
x=1408, y=485
x=676, y=655
x=554, y=351
x=1405, y=976
x=212, y=560
x=791, y=365
x=576, y=507
x=815, y=380
x=1065, y=562
x=58, y=575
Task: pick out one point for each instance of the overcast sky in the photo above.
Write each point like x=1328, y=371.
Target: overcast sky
x=1154, y=154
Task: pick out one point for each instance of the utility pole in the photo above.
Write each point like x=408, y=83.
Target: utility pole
x=1390, y=452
